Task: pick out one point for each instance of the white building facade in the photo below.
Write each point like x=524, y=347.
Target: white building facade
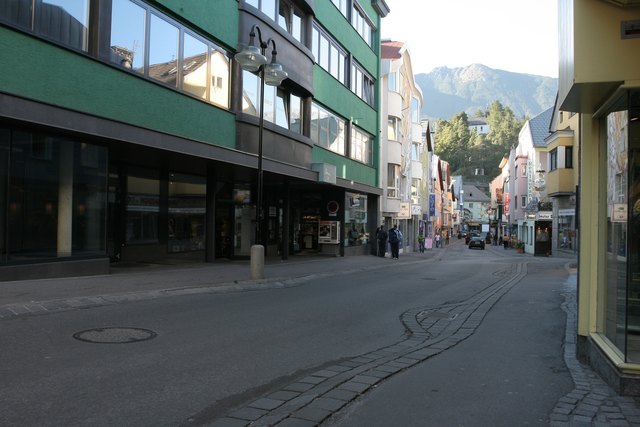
x=403, y=169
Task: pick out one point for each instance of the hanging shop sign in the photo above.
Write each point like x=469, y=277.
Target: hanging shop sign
x=405, y=211
x=619, y=213
x=507, y=200
x=544, y=216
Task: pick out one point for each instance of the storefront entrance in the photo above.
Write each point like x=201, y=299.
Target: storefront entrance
x=543, y=237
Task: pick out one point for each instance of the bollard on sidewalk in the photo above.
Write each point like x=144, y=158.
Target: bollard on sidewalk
x=257, y=262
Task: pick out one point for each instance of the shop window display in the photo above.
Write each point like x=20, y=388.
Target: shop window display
x=356, y=228
x=53, y=197
x=622, y=289
x=187, y=208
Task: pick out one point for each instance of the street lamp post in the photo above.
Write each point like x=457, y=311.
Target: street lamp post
x=253, y=59
x=491, y=213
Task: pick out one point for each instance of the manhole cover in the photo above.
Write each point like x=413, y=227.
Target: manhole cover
x=114, y=335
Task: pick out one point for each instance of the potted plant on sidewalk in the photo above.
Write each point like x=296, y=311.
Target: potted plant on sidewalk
x=519, y=247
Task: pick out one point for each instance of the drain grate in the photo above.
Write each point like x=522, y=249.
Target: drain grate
x=114, y=335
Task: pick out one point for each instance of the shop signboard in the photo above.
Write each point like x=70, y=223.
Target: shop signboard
x=544, y=216
x=619, y=213
x=405, y=211
x=507, y=200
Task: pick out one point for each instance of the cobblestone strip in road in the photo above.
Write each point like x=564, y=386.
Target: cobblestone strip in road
x=592, y=402
x=313, y=399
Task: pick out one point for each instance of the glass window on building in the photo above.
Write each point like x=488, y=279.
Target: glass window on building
x=195, y=66
x=18, y=13
x=361, y=24
x=143, y=206
x=566, y=229
x=415, y=151
x=360, y=148
x=187, y=208
x=393, y=173
x=53, y=197
x=553, y=159
x=269, y=8
x=622, y=290
x=291, y=19
x=280, y=107
x=295, y=114
x=415, y=110
x=62, y=21
x=269, y=103
x=392, y=83
x=5, y=145
x=250, y=93
x=128, y=40
x=633, y=184
x=220, y=81
x=297, y=25
x=65, y=21
x=415, y=191
x=617, y=170
x=281, y=111
x=327, y=129
x=393, y=126
x=201, y=69
x=355, y=217
x=163, y=51
x=315, y=44
x=324, y=52
x=341, y=5
x=568, y=157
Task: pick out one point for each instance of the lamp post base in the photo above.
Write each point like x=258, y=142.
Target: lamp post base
x=257, y=262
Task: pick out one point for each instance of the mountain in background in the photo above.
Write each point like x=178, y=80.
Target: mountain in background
x=449, y=91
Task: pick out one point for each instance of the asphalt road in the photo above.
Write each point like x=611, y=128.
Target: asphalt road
x=215, y=352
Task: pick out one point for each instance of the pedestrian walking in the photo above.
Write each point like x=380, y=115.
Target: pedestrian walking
x=437, y=240
x=421, y=242
x=394, y=242
x=381, y=235
x=505, y=241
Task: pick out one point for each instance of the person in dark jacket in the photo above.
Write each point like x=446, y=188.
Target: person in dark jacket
x=382, y=235
x=394, y=242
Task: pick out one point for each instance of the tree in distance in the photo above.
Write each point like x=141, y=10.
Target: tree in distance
x=468, y=151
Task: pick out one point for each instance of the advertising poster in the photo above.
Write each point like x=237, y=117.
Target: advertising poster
x=329, y=232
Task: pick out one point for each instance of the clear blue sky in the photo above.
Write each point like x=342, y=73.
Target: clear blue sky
x=511, y=35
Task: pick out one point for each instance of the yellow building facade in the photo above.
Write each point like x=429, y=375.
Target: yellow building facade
x=600, y=80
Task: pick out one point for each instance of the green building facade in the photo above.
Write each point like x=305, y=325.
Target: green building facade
x=129, y=134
